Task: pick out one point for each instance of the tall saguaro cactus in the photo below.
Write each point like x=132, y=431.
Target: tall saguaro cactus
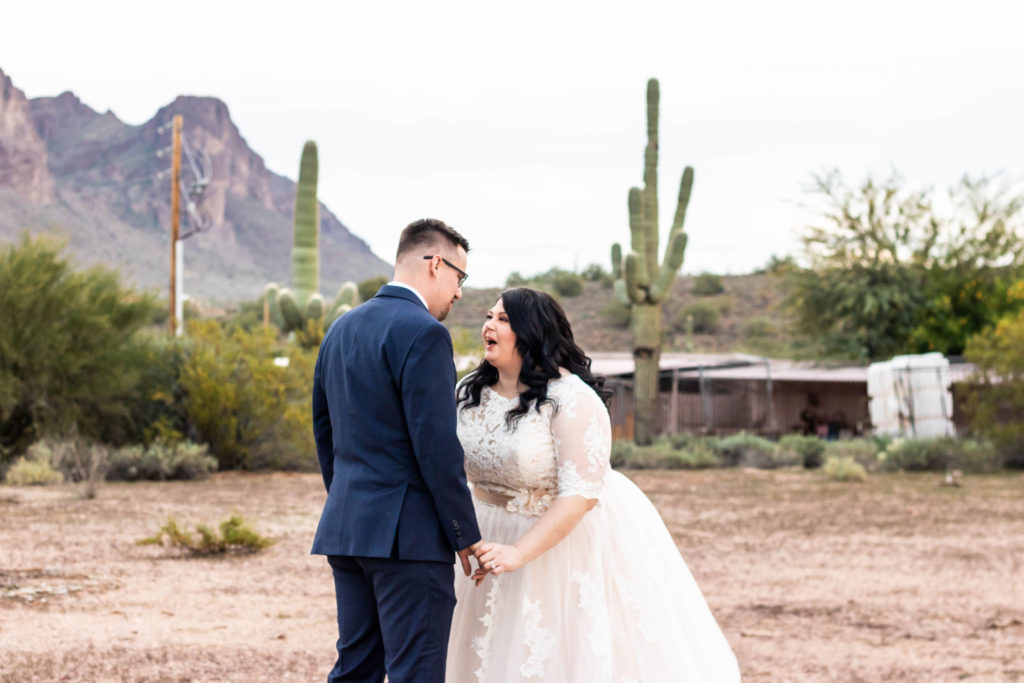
x=641, y=282
x=294, y=311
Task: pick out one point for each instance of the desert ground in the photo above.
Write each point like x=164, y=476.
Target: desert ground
x=896, y=579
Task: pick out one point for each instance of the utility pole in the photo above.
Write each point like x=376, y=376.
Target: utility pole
x=175, y=217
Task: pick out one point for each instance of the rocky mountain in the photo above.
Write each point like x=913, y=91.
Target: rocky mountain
x=104, y=186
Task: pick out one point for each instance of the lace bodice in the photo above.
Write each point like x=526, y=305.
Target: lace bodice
x=548, y=454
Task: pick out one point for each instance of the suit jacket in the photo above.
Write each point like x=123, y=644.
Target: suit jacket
x=384, y=421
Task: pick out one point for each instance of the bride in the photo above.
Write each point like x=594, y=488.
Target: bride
x=579, y=578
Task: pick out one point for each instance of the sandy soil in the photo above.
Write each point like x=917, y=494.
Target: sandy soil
x=896, y=579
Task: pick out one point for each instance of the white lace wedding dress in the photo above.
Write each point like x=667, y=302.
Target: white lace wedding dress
x=613, y=602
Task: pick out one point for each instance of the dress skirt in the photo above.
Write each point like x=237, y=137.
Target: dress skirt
x=614, y=602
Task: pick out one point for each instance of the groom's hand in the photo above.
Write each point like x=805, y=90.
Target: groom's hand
x=464, y=556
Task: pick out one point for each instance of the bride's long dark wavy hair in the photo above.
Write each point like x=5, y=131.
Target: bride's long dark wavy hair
x=545, y=342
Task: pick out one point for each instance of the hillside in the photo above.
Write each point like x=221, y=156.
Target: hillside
x=103, y=185
x=751, y=317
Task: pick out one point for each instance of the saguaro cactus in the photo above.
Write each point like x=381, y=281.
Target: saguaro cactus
x=641, y=282
x=293, y=311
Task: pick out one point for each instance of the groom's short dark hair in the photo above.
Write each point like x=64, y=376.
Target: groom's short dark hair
x=425, y=233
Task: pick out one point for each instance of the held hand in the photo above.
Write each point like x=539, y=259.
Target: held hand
x=464, y=556
x=498, y=559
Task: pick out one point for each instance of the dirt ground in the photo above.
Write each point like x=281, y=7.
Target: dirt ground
x=811, y=580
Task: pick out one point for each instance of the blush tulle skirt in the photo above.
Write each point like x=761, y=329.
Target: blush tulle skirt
x=614, y=602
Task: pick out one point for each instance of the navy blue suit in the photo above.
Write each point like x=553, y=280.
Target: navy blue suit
x=398, y=507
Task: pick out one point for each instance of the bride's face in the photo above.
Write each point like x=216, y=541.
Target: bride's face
x=499, y=339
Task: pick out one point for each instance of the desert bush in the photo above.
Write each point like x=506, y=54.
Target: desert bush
x=596, y=273
x=705, y=318
x=802, y=449
x=616, y=315
x=253, y=413
x=234, y=535
x=368, y=288
x=863, y=451
x=758, y=326
x=76, y=460
x=27, y=472
x=622, y=453
x=995, y=401
x=661, y=455
x=940, y=454
x=71, y=355
x=707, y=284
x=567, y=284
x=161, y=462
x=745, y=450
x=844, y=468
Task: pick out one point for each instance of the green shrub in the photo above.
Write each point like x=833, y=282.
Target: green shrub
x=369, y=287
x=662, y=456
x=71, y=355
x=863, y=451
x=161, y=462
x=616, y=315
x=622, y=453
x=941, y=454
x=26, y=472
x=758, y=327
x=844, y=468
x=596, y=273
x=705, y=318
x=253, y=413
x=567, y=284
x=803, y=449
x=707, y=284
x=234, y=534
x=744, y=450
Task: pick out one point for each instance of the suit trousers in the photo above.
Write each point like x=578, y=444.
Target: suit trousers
x=394, y=617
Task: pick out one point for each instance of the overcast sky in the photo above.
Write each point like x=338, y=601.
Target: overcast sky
x=522, y=124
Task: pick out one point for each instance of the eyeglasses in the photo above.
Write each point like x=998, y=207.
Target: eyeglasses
x=462, y=274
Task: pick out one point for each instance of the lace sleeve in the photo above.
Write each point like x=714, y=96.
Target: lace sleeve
x=583, y=436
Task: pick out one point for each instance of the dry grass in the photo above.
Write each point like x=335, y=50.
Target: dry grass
x=893, y=579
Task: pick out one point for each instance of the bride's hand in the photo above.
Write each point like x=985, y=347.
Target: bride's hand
x=498, y=559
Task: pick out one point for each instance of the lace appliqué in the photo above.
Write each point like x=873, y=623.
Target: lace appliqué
x=570, y=483
x=593, y=605
x=649, y=616
x=482, y=644
x=538, y=639
x=530, y=503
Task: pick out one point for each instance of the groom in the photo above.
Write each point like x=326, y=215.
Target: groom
x=398, y=507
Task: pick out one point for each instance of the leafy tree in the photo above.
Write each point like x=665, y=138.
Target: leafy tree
x=996, y=402
x=893, y=270
x=71, y=356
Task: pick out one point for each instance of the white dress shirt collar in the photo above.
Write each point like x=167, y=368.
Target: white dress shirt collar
x=396, y=283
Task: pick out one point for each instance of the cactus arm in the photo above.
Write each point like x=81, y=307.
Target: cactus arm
x=290, y=312
x=270, y=293
x=618, y=283
x=638, y=236
x=685, y=187
x=650, y=192
x=633, y=290
x=673, y=262
x=617, y=261
x=315, y=307
x=339, y=310
x=306, y=247
x=348, y=294
x=676, y=241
